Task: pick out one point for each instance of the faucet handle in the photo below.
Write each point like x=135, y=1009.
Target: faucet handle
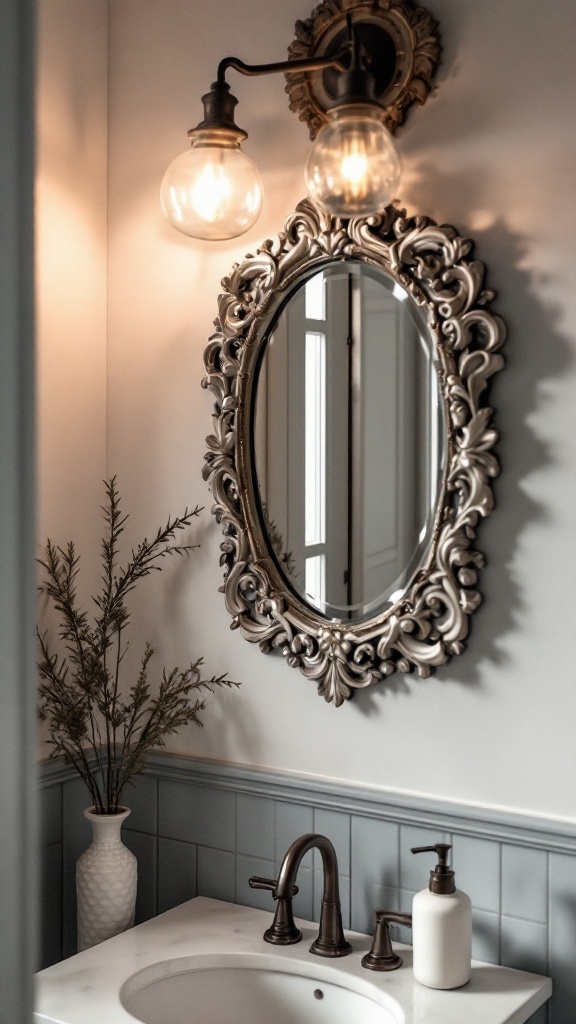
x=283, y=930
x=257, y=882
x=381, y=956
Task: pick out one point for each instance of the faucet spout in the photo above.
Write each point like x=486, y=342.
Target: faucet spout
x=330, y=941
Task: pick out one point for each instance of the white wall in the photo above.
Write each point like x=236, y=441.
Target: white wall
x=71, y=216
x=70, y=255
x=493, y=152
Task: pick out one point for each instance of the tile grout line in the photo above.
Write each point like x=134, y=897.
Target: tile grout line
x=399, y=859
x=548, y=925
x=547, y=1008
x=235, y=847
x=500, y=899
x=62, y=873
x=350, y=870
x=157, y=845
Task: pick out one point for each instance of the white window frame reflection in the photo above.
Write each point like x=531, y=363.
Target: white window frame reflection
x=315, y=581
x=315, y=440
x=315, y=297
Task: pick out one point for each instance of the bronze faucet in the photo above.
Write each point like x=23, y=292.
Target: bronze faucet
x=283, y=931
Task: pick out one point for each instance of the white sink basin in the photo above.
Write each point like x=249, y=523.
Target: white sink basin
x=251, y=989
x=206, y=962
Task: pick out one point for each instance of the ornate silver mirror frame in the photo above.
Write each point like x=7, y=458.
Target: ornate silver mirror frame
x=430, y=622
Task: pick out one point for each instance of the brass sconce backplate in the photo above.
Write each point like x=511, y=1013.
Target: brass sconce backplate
x=400, y=46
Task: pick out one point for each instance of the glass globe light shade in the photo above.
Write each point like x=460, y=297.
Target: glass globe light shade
x=213, y=190
x=354, y=166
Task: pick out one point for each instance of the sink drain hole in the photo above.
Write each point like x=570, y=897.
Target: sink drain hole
x=318, y=993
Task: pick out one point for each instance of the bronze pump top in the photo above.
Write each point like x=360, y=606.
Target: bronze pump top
x=442, y=879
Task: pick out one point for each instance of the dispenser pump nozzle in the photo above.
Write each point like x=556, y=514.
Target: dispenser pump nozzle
x=442, y=880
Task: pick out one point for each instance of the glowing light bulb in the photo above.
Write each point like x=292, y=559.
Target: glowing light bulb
x=354, y=166
x=213, y=190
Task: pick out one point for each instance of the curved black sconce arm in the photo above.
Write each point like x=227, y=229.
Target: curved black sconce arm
x=356, y=83
x=252, y=70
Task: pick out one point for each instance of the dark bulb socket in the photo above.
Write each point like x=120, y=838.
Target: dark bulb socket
x=356, y=87
x=219, y=106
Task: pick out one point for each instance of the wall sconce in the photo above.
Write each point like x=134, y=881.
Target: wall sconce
x=352, y=73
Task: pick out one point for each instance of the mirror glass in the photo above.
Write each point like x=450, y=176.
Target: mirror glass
x=349, y=440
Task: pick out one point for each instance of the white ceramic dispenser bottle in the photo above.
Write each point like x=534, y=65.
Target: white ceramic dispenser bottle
x=441, y=927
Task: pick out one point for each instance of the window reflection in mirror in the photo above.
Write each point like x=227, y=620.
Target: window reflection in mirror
x=349, y=440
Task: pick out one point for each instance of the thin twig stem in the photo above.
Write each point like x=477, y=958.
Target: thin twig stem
x=81, y=701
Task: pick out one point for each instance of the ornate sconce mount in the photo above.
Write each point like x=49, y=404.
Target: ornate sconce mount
x=400, y=45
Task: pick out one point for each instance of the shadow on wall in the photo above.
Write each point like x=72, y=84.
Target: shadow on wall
x=228, y=724
x=535, y=353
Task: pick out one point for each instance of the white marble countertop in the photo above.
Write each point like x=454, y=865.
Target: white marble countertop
x=85, y=989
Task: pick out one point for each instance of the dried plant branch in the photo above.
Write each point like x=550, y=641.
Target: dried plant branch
x=102, y=734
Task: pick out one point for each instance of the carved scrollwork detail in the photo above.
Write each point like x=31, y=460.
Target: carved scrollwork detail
x=409, y=28
x=430, y=622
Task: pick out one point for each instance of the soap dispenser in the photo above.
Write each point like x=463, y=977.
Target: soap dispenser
x=441, y=927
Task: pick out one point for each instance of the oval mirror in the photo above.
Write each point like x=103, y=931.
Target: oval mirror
x=349, y=440
x=351, y=459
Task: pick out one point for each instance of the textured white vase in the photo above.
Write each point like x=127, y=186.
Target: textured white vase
x=105, y=881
